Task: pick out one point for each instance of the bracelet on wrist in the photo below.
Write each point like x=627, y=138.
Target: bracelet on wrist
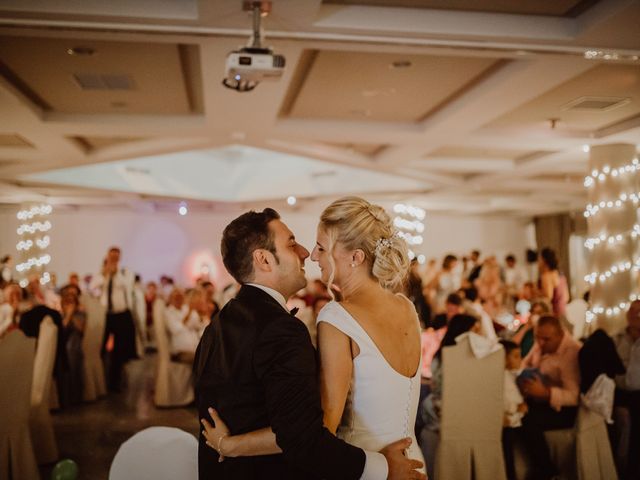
x=220, y=444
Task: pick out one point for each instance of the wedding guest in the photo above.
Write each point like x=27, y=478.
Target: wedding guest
x=525, y=334
x=475, y=265
x=114, y=285
x=446, y=281
x=452, y=307
x=414, y=293
x=150, y=296
x=628, y=385
x=514, y=405
x=185, y=329
x=6, y=270
x=514, y=276
x=489, y=286
x=552, y=393
x=9, y=310
x=553, y=284
x=70, y=384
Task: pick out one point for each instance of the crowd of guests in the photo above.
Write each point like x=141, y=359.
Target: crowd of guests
x=546, y=369
x=521, y=306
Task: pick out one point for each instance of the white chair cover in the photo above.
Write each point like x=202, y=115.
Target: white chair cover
x=472, y=412
x=157, y=453
x=44, y=441
x=593, y=449
x=576, y=314
x=17, y=460
x=94, y=382
x=173, y=380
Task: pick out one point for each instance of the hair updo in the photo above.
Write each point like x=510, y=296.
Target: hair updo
x=358, y=224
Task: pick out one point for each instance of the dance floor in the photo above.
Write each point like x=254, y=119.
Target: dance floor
x=91, y=433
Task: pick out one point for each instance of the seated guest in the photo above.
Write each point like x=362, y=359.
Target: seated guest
x=628, y=385
x=551, y=390
x=185, y=325
x=9, y=310
x=514, y=405
x=70, y=382
x=453, y=306
x=524, y=336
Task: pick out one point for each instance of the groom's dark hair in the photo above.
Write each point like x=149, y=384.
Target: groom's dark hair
x=241, y=237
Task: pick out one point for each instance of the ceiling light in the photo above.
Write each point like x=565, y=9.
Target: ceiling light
x=586, y=148
x=81, y=51
x=183, y=209
x=291, y=200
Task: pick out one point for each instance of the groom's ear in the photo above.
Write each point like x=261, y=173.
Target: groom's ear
x=261, y=261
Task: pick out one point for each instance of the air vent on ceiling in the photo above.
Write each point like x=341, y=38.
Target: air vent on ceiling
x=96, y=81
x=597, y=104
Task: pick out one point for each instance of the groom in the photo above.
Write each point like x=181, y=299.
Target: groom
x=256, y=365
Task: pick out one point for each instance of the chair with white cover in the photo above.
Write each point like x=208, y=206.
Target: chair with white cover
x=17, y=354
x=40, y=424
x=157, y=453
x=576, y=314
x=173, y=379
x=472, y=414
x=94, y=381
x=593, y=449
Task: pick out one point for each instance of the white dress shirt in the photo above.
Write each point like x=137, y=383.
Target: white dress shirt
x=121, y=291
x=6, y=317
x=375, y=466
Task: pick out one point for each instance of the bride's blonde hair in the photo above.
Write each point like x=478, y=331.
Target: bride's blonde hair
x=358, y=224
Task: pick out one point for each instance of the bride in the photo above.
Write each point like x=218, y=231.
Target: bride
x=368, y=342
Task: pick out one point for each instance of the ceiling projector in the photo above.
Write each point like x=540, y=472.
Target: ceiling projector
x=248, y=66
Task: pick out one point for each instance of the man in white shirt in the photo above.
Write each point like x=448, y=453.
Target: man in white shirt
x=628, y=385
x=114, y=286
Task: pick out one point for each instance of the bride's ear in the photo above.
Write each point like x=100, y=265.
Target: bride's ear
x=358, y=257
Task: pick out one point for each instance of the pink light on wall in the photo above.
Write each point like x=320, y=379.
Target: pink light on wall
x=203, y=263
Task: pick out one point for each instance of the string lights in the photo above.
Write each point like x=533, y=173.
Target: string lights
x=612, y=281
x=409, y=221
x=32, y=234
x=607, y=171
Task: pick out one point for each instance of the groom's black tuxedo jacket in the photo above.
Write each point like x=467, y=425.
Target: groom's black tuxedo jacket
x=256, y=365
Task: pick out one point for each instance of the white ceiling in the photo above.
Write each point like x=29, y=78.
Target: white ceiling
x=464, y=129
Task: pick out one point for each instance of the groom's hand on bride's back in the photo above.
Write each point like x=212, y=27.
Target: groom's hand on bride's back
x=401, y=467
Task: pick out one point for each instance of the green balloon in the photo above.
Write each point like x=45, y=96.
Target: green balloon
x=65, y=469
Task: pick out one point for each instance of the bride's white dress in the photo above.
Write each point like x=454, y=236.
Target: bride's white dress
x=382, y=404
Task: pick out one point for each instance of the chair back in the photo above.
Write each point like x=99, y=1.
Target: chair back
x=160, y=330
x=17, y=355
x=44, y=362
x=156, y=453
x=472, y=414
x=94, y=381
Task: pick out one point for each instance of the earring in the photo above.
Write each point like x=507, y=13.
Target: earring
x=353, y=265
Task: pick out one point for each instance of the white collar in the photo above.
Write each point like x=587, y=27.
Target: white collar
x=277, y=296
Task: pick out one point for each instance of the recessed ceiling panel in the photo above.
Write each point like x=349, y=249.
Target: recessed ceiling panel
x=14, y=140
x=557, y=8
x=381, y=86
x=231, y=174
x=468, y=152
x=86, y=76
x=96, y=143
x=621, y=82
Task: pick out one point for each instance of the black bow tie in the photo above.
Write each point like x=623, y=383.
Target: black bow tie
x=294, y=310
